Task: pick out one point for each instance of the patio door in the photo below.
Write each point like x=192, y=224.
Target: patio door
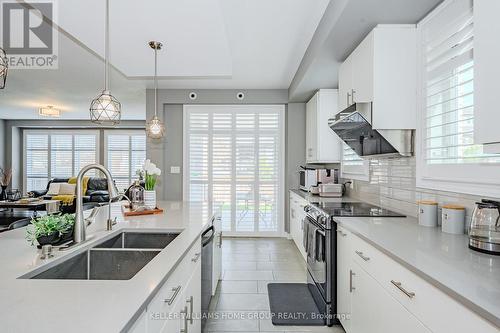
x=233, y=158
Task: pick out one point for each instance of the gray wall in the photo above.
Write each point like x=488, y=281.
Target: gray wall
x=295, y=149
x=168, y=152
x=2, y=145
x=13, y=147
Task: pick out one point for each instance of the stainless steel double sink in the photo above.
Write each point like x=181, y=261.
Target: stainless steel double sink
x=118, y=258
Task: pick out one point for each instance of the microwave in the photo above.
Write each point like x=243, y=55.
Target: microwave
x=307, y=179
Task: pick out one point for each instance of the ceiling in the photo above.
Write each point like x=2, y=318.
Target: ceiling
x=343, y=26
x=215, y=44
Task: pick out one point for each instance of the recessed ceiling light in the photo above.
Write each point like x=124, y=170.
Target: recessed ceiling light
x=49, y=111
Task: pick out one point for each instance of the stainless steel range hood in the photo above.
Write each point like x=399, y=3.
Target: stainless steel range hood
x=353, y=126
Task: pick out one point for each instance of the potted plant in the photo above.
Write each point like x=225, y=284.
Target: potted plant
x=51, y=229
x=151, y=173
x=66, y=227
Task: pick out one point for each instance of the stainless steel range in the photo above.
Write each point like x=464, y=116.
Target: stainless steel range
x=320, y=242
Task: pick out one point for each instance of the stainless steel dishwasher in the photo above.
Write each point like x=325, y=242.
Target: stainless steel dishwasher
x=207, y=238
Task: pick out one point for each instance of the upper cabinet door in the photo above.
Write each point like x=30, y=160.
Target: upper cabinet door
x=383, y=70
x=345, y=84
x=486, y=71
x=322, y=144
x=362, y=71
x=311, y=129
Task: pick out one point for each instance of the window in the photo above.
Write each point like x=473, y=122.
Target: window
x=446, y=128
x=125, y=152
x=234, y=155
x=56, y=154
x=353, y=166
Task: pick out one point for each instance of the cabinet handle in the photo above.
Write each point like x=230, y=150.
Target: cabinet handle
x=189, y=300
x=351, y=274
x=183, y=314
x=399, y=286
x=352, y=95
x=348, y=95
x=341, y=233
x=170, y=300
x=359, y=253
x=196, y=257
x=220, y=240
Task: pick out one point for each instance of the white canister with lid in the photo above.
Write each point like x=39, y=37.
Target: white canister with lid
x=453, y=219
x=428, y=213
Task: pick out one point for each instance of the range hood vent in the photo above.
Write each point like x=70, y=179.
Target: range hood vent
x=353, y=126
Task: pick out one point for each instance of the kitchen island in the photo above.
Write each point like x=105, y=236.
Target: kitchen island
x=50, y=305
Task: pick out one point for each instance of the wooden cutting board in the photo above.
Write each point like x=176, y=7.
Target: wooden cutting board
x=127, y=212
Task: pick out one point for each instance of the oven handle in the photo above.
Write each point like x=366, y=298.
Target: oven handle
x=321, y=232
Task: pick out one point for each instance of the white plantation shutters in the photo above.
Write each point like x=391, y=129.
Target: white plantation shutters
x=125, y=152
x=446, y=129
x=233, y=154
x=56, y=153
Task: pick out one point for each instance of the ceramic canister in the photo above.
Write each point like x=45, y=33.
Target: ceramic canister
x=453, y=219
x=428, y=213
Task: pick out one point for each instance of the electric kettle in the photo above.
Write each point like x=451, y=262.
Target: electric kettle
x=484, y=232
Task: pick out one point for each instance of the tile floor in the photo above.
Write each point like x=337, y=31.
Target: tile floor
x=249, y=264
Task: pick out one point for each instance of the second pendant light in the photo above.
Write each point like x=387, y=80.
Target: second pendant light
x=155, y=127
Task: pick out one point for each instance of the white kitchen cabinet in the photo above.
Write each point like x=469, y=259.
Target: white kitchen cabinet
x=297, y=214
x=382, y=70
x=345, y=84
x=362, y=71
x=344, y=277
x=486, y=72
x=217, y=252
x=374, y=310
x=384, y=296
x=179, y=296
x=322, y=144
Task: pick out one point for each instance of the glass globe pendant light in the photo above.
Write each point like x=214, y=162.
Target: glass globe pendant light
x=155, y=128
x=4, y=67
x=105, y=109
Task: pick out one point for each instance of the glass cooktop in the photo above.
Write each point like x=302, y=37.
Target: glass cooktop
x=359, y=209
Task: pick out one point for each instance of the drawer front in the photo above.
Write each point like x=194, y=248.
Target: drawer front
x=172, y=290
x=437, y=310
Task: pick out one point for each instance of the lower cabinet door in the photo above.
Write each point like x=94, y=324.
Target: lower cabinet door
x=176, y=320
x=344, y=278
x=194, y=295
x=375, y=311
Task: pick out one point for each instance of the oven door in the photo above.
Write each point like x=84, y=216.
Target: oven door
x=317, y=249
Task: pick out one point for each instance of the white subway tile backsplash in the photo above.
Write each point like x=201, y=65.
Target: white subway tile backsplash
x=392, y=185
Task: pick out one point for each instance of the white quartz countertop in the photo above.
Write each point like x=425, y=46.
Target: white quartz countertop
x=98, y=305
x=444, y=260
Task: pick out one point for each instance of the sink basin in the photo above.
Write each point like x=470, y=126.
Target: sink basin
x=118, y=258
x=100, y=264
x=138, y=240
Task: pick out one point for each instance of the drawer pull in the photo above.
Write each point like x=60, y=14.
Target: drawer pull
x=341, y=233
x=185, y=317
x=359, y=253
x=351, y=274
x=189, y=300
x=170, y=300
x=196, y=257
x=406, y=292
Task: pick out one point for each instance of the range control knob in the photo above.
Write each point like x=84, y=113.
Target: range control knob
x=307, y=208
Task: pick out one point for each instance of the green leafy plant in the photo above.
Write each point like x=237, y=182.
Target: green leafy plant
x=48, y=225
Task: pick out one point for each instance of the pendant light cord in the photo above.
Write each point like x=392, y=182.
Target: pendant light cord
x=106, y=49
x=156, y=81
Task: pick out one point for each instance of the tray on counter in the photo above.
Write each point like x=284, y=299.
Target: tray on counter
x=128, y=212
